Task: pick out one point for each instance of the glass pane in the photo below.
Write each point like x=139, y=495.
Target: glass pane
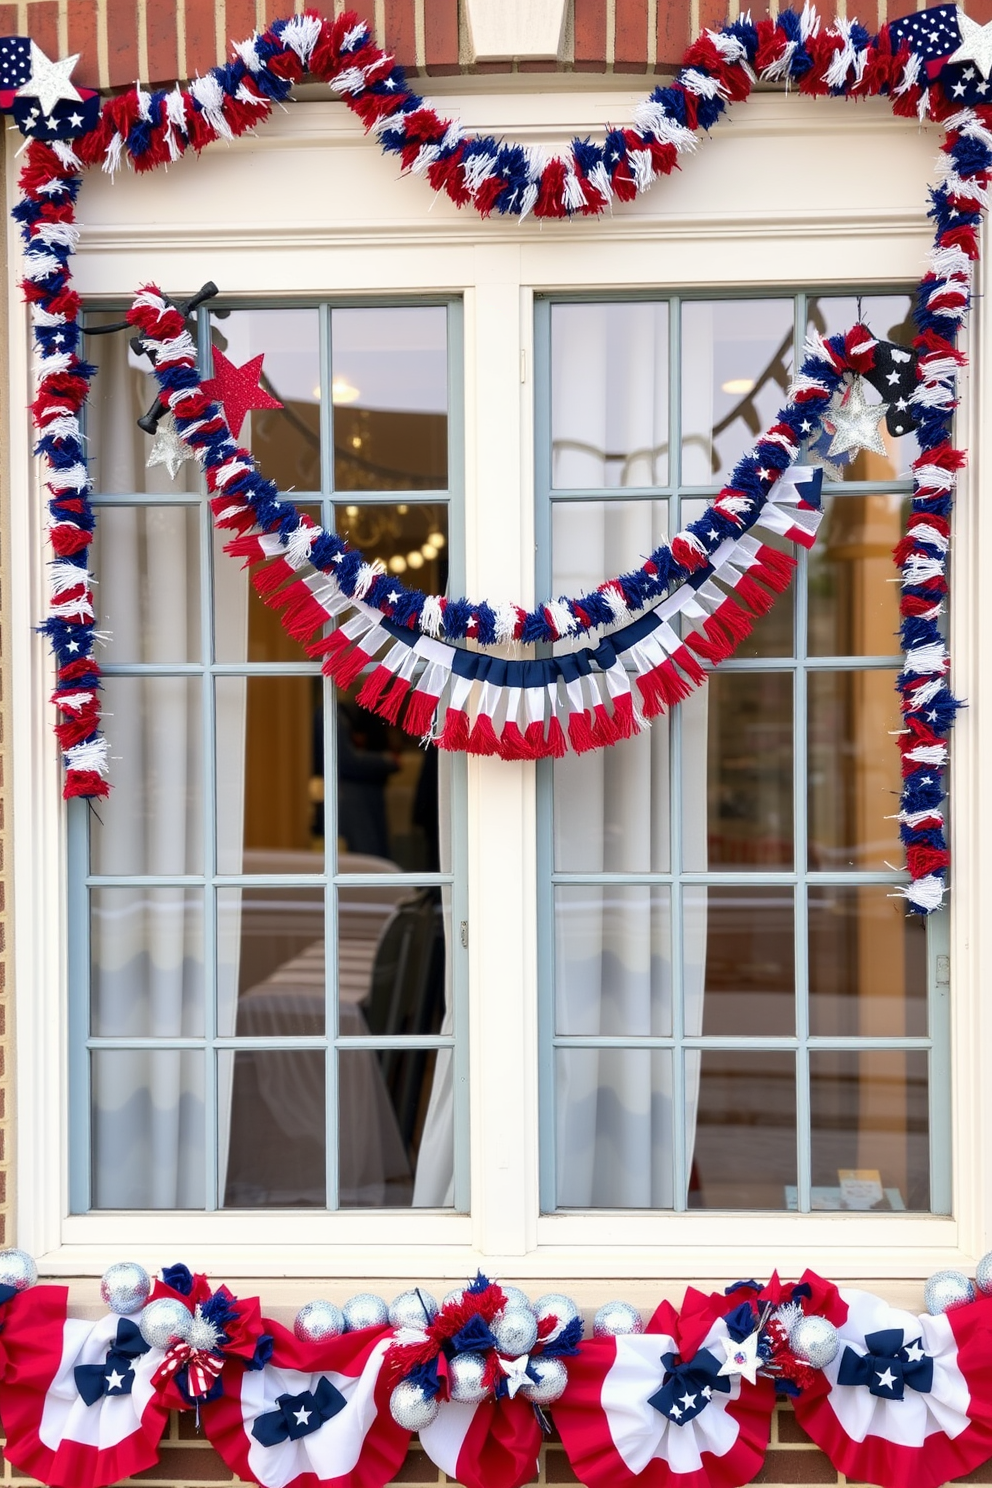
x=392, y=966
x=390, y=393
x=612, y=806
x=596, y=540
x=736, y=365
x=147, y=1129
x=146, y=561
x=146, y=963
x=613, y=959
x=609, y=395
x=394, y=1110
x=411, y=539
x=122, y=392
x=270, y=962
x=268, y=734
x=743, y=940
x=737, y=772
x=284, y=441
x=772, y=633
x=246, y=629
x=393, y=807
x=853, y=603
x=152, y=821
x=867, y=964
x=854, y=773
x=889, y=317
x=272, y=1124
x=741, y=1128
x=870, y=1129
x=614, y=1128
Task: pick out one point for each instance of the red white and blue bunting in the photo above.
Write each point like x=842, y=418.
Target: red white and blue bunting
x=938, y=72
x=892, y=1397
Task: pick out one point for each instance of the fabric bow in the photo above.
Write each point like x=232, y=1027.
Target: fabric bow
x=115, y=1375
x=299, y=1415
x=889, y=1365
x=201, y=1367
x=688, y=1387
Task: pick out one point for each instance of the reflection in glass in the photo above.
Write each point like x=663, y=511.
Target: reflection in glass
x=411, y=539
x=744, y=1154
x=609, y=395
x=736, y=365
x=245, y=628
x=870, y=1129
x=382, y=1107
x=389, y=388
x=853, y=779
x=146, y=561
x=284, y=441
x=749, y=940
x=595, y=540
x=772, y=634
x=613, y=961
x=612, y=806
x=737, y=771
x=272, y=1107
x=853, y=604
x=152, y=821
x=270, y=961
x=614, y=1128
x=146, y=958
x=392, y=975
x=147, y=1129
x=867, y=964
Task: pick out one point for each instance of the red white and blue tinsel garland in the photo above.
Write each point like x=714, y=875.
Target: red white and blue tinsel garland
x=148, y=129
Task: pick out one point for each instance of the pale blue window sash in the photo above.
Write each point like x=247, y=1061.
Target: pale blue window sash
x=799, y=665
x=81, y=881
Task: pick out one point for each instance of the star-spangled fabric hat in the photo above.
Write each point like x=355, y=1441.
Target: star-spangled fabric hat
x=15, y=65
x=932, y=34
x=68, y=119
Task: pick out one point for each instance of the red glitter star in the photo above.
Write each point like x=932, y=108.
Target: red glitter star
x=238, y=389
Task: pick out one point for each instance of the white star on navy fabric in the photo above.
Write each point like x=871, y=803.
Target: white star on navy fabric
x=856, y=422
x=15, y=61
x=930, y=35
x=886, y=1380
x=688, y=1400
x=302, y=1417
x=115, y=1381
x=49, y=80
x=913, y=1351
x=976, y=44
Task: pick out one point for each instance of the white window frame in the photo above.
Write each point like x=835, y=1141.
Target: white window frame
x=336, y=220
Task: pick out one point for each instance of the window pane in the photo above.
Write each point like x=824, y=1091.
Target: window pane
x=596, y=540
x=390, y=394
x=612, y=806
x=395, y=1128
x=736, y=365
x=614, y=1128
x=147, y=1129
x=737, y=772
x=246, y=629
x=411, y=539
x=853, y=603
x=609, y=394
x=268, y=731
x=772, y=634
x=146, y=561
x=146, y=974
x=853, y=770
x=392, y=972
x=270, y=962
x=870, y=1127
x=285, y=441
x=392, y=796
x=152, y=821
x=614, y=959
x=744, y=939
x=744, y=1154
x=867, y=964
x=271, y=1104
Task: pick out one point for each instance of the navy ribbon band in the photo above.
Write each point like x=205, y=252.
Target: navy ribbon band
x=889, y=1365
x=298, y=1415
x=115, y=1375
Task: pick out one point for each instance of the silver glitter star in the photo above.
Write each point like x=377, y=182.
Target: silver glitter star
x=169, y=449
x=976, y=44
x=49, y=80
x=856, y=422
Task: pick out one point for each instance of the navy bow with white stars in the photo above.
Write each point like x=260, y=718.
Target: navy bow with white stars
x=689, y=1387
x=889, y=1365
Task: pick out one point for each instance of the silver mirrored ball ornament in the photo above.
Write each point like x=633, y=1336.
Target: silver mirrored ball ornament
x=814, y=1339
x=946, y=1290
x=365, y=1311
x=164, y=1322
x=17, y=1269
x=318, y=1320
x=466, y=1373
x=125, y=1287
x=556, y=1304
x=411, y=1408
x=515, y=1331
x=414, y=1309
x=615, y=1318
x=552, y=1379
x=514, y=1297
x=451, y=1299
x=983, y=1274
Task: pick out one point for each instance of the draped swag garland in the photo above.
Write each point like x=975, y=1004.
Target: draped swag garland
x=590, y=688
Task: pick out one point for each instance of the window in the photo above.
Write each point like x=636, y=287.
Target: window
x=738, y=1013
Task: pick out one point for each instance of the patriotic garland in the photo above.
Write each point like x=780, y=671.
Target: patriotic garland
x=685, y=1401
x=923, y=75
